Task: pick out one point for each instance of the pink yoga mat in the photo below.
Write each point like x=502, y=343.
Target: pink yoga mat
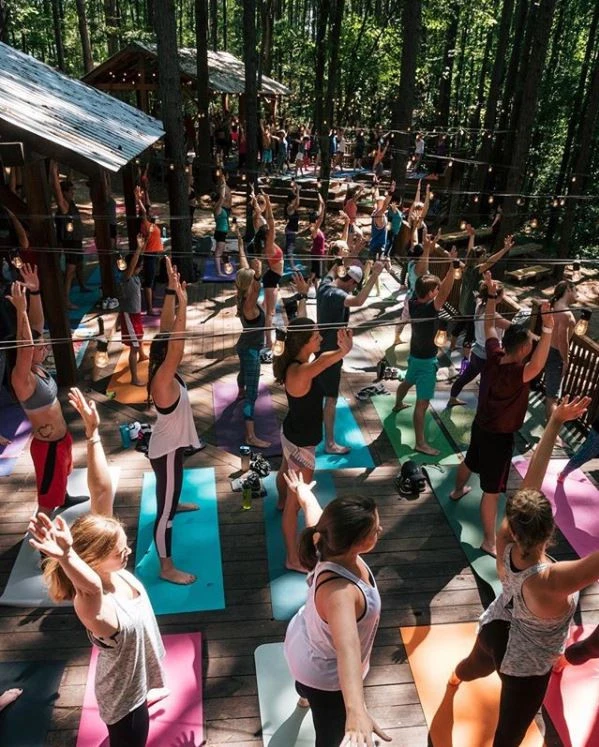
x=173, y=720
x=572, y=699
x=14, y=425
x=229, y=424
x=574, y=505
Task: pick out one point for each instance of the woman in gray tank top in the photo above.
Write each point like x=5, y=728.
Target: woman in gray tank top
x=524, y=631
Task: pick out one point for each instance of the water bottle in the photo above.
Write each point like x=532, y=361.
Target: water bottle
x=245, y=453
x=164, y=236
x=246, y=502
x=125, y=435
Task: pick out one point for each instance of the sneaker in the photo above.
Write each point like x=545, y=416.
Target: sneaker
x=112, y=303
x=266, y=356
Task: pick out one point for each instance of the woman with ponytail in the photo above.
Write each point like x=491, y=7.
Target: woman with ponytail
x=297, y=369
x=329, y=641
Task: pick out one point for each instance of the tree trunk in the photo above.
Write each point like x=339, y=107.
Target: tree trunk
x=251, y=101
x=444, y=99
x=88, y=62
x=319, y=66
x=403, y=109
x=171, y=107
x=4, y=16
x=202, y=177
x=113, y=25
x=57, y=25
x=225, y=31
x=265, y=61
x=213, y=25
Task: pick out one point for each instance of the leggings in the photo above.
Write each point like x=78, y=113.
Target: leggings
x=248, y=378
x=588, y=450
x=328, y=714
x=521, y=697
x=169, y=479
x=464, y=325
x=132, y=730
x=475, y=366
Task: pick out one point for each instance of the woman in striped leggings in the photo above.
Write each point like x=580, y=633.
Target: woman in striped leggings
x=175, y=429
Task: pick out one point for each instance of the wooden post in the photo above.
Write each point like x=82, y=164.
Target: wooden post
x=43, y=234
x=99, y=196
x=130, y=206
x=141, y=90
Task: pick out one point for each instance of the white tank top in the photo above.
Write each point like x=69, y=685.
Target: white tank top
x=174, y=430
x=309, y=648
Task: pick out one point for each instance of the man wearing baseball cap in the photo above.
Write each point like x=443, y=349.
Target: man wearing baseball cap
x=334, y=299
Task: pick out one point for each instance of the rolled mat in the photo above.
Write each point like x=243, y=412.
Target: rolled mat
x=464, y=716
x=572, y=699
x=211, y=276
x=288, y=589
x=25, y=586
x=347, y=433
x=574, y=504
x=178, y=719
x=120, y=381
x=229, y=423
x=284, y=723
x=464, y=519
x=25, y=722
x=196, y=547
x=400, y=430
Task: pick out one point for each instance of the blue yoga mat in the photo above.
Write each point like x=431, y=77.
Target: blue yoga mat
x=211, y=276
x=84, y=301
x=288, y=589
x=196, y=547
x=347, y=433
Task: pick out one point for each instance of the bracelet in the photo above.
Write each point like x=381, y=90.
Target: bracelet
x=34, y=293
x=548, y=330
x=170, y=292
x=94, y=440
x=492, y=295
x=301, y=296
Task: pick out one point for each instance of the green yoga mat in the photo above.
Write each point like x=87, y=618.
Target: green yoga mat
x=456, y=420
x=196, y=547
x=464, y=518
x=288, y=589
x=347, y=433
x=400, y=430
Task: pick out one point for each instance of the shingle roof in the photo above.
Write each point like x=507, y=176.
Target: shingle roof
x=74, y=116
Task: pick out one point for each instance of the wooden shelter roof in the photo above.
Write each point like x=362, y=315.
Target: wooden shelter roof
x=85, y=127
x=226, y=72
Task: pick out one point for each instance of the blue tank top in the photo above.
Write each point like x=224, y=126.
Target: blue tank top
x=378, y=236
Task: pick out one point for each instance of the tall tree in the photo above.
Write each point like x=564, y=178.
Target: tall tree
x=112, y=17
x=4, y=21
x=251, y=99
x=57, y=27
x=322, y=19
x=203, y=154
x=171, y=108
x=213, y=25
x=88, y=62
x=449, y=52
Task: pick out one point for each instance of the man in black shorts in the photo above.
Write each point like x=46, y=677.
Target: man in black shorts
x=502, y=403
x=334, y=299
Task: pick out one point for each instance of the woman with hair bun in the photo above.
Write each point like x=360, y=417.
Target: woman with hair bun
x=329, y=641
x=297, y=369
x=524, y=631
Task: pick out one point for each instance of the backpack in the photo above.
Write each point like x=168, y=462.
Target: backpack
x=411, y=480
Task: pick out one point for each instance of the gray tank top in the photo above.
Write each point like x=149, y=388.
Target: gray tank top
x=43, y=395
x=129, y=661
x=534, y=643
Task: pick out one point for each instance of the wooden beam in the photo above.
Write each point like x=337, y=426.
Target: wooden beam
x=12, y=201
x=99, y=196
x=43, y=234
x=11, y=154
x=129, y=178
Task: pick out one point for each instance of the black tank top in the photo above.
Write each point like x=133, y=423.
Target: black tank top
x=303, y=423
x=253, y=331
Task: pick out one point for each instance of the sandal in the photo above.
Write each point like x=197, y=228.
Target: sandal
x=367, y=392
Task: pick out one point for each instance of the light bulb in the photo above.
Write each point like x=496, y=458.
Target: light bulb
x=527, y=228
x=475, y=198
x=279, y=347
x=534, y=223
x=562, y=202
x=341, y=272
x=101, y=359
x=121, y=263
x=69, y=226
x=555, y=203
x=582, y=324
x=576, y=271
x=519, y=201
x=441, y=338
x=172, y=166
x=450, y=164
x=490, y=169
x=228, y=268
x=573, y=179
x=491, y=199
x=16, y=261
x=457, y=269
x=432, y=195
x=463, y=225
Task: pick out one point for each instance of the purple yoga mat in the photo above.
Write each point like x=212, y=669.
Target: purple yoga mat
x=574, y=505
x=228, y=415
x=14, y=425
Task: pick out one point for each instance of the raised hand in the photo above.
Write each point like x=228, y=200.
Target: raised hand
x=546, y=315
x=87, y=410
x=300, y=283
x=470, y=230
x=52, y=538
x=345, y=340
x=18, y=297
x=508, y=242
x=30, y=277
x=377, y=268
x=172, y=274
x=570, y=410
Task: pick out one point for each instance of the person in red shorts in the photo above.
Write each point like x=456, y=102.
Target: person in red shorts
x=132, y=330
x=34, y=387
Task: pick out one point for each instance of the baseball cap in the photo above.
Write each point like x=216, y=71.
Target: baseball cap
x=355, y=273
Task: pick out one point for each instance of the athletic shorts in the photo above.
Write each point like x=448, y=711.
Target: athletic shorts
x=330, y=378
x=290, y=241
x=149, y=271
x=220, y=236
x=271, y=279
x=315, y=266
x=74, y=257
x=490, y=456
x=132, y=329
x=267, y=156
x=298, y=457
x=554, y=369
x=423, y=373
x=53, y=463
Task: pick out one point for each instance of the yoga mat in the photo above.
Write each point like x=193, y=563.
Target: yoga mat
x=465, y=716
x=25, y=722
x=176, y=720
x=574, y=504
x=456, y=420
x=229, y=423
x=120, y=381
x=284, y=724
x=347, y=433
x=210, y=275
x=14, y=425
x=572, y=699
x=288, y=589
x=196, y=547
x=25, y=586
x=84, y=301
x=464, y=518
x=7, y=466
x=400, y=430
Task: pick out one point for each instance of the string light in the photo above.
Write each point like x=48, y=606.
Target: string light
x=101, y=356
x=582, y=325
x=463, y=225
x=475, y=198
x=519, y=201
x=562, y=202
x=279, y=346
x=534, y=223
x=491, y=199
x=121, y=263
x=441, y=336
x=457, y=269
x=16, y=260
x=450, y=164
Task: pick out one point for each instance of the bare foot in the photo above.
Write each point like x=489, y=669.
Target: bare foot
x=489, y=549
x=455, y=495
x=303, y=703
x=9, y=696
x=177, y=577
x=257, y=442
x=400, y=406
x=426, y=449
x=453, y=401
x=156, y=694
x=336, y=449
x=187, y=507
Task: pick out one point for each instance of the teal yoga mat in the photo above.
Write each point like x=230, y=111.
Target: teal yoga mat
x=196, y=547
x=400, y=430
x=284, y=724
x=464, y=518
x=288, y=589
x=347, y=433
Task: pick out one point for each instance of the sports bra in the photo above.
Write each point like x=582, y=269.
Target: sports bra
x=276, y=257
x=43, y=395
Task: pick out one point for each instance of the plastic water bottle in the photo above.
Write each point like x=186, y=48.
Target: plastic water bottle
x=245, y=453
x=164, y=235
x=125, y=435
x=246, y=502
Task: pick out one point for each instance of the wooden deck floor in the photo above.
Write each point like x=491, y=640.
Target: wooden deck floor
x=419, y=566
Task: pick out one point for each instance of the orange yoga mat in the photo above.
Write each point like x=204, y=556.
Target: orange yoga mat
x=120, y=382
x=465, y=716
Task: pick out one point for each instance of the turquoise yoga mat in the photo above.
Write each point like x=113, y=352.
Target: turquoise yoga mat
x=347, y=433
x=464, y=518
x=196, y=547
x=288, y=589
